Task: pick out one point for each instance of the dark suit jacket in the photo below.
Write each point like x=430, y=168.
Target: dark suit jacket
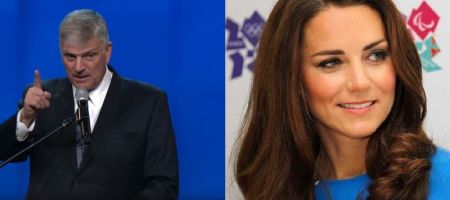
x=132, y=155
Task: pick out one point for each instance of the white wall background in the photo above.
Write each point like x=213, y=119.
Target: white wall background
x=436, y=83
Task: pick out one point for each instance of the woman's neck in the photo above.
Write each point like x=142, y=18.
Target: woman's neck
x=346, y=155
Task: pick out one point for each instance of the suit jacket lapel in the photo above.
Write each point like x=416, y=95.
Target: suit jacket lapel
x=110, y=109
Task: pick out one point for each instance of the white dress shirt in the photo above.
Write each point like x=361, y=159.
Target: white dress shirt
x=96, y=99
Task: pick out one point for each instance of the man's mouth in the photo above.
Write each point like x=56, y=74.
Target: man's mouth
x=81, y=76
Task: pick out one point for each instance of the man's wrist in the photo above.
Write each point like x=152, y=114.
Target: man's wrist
x=22, y=129
x=26, y=120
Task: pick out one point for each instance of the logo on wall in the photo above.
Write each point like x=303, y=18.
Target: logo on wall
x=423, y=22
x=242, y=42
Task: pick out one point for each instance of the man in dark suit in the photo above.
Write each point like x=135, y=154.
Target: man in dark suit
x=132, y=154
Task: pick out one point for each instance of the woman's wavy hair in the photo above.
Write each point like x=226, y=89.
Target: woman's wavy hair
x=278, y=146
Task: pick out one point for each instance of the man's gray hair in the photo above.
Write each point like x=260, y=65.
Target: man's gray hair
x=82, y=25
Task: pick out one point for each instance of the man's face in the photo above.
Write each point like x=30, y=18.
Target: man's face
x=85, y=63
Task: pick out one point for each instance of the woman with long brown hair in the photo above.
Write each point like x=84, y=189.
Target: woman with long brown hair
x=336, y=108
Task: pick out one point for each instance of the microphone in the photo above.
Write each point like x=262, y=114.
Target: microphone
x=82, y=115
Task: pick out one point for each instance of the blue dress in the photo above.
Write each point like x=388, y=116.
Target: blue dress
x=356, y=187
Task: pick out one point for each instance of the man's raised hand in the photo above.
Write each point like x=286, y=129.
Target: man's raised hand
x=35, y=99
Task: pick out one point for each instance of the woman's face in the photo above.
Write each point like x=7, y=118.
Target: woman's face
x=348, y=71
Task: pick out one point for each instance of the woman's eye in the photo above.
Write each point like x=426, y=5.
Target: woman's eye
x=378, y=56
x=330, y=63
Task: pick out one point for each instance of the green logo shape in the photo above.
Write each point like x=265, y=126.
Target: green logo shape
x=427, y=50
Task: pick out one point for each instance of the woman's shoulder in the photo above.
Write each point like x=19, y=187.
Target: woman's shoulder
x=441, y=157
x=440, y=174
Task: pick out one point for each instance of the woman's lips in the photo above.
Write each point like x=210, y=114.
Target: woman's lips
x=357, y=107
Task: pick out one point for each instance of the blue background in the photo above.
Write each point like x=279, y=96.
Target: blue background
x=177, y=45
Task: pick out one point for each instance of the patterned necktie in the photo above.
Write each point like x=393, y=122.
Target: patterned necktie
x=80, y=146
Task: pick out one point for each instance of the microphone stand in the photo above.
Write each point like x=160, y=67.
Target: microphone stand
x=64, y=124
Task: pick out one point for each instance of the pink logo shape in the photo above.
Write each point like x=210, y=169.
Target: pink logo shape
x=423, y=20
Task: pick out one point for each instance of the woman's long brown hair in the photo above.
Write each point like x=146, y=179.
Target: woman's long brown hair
x=278, y=147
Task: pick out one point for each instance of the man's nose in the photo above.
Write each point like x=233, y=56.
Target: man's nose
x=79, y=65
